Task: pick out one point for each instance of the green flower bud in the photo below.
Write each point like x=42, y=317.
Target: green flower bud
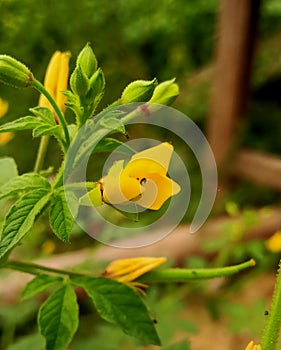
x=165, y=93
x=138, y=91
x=14, y=73
x=79, y=82
x=87, y=61
x=97, y=82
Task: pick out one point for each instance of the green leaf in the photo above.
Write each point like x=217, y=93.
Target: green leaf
x=58, y=318
x=43, y=123
x=44, y=114
x=113, y=124
x=109, y=145
x=122, y=305
x=21, y=217
x=24, y=123
x=8, y=168
x=61, y=216
x=39, y=284
x=47, y=129
x=22, y=183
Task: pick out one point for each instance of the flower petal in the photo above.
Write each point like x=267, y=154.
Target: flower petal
x=56, y=79
x=160, y=154
x=62, y=80
x=157, y=190
x=140, y=168
x=127, y=270
x=119, y=188
x=50, y=80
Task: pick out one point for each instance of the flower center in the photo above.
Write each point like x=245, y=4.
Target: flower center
x=143, y=181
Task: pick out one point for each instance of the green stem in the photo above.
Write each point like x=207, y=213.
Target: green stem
x=145, y=109
x=37, y=85
x=183, y=275
x=36, y=269
x=272, y=329
x=41, y=153
x=157, y=276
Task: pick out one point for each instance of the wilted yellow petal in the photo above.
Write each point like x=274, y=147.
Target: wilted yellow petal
x=3, y=107
x=127, y=270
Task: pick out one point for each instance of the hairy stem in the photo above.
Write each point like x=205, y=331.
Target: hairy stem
x=36, y=269
x=37, y=85
x=170, y=275
x=182, y=275
x=272, y=329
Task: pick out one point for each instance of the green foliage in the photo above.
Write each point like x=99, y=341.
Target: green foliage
x=239, y=316
x=121, y=305
x=21, y=217
x=22, y=184
x=58, y=318
x=33, y=341
x=39, y=284
x=9, y=170
x=61, y=218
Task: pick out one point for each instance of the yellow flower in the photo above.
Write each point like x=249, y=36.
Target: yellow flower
x=56, y=79
x=273, y=244
x=7, y=136
x=252, y=346
x=128, y=270
x=143, y=180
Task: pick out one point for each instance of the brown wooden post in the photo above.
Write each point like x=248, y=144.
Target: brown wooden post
x=258, y=167
x=236, y=33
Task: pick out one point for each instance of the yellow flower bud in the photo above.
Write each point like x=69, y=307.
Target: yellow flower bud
x=56, y=80
x=7, y=136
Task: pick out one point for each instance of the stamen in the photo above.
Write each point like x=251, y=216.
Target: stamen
x=143, y=181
